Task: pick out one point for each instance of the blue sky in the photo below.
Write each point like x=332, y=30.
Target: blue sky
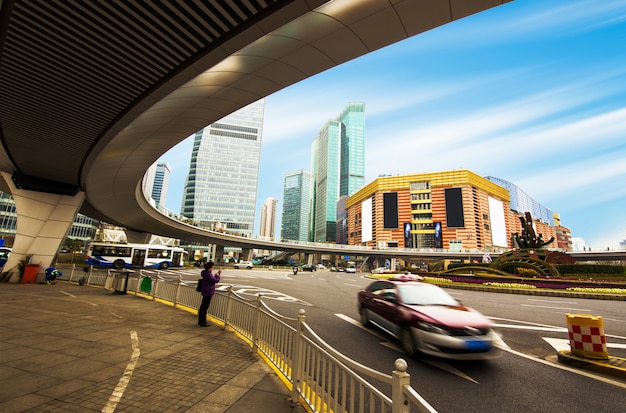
x=533, y=92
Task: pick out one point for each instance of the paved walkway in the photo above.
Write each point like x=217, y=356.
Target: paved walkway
x=70, y=348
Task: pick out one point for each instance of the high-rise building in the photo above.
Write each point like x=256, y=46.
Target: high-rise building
x=267, y=228
x=296, y=205
x=156, y=181
x=221, y=187
x=338, y=168
x=451, y=210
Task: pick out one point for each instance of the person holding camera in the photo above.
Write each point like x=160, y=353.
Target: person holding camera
x=208, y=290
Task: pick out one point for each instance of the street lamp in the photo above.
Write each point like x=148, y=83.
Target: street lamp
x=469, y=251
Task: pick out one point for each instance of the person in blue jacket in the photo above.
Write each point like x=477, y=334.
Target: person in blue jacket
x=52, y=274
x=208, y=290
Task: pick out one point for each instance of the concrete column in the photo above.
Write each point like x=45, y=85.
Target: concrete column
x=218, y=256
x=246, y=254
x=43, y=221
x=309, y=258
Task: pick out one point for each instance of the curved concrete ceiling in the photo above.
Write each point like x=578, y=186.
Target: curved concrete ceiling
x=92, y=93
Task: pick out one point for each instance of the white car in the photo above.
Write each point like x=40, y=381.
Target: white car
x=244, y=264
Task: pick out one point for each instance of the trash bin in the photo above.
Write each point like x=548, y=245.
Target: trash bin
x=120, y=281
x=30, y=273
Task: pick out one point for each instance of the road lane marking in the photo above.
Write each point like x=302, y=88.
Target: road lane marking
x=80, y=299
x=566, y=368
x=586, y=310
x=118, y=392
x=534, y=328
x=564, y=344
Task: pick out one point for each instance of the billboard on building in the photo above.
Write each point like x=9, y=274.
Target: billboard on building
x=407, y=235
x=438, y=235
x=497, y=221
x=454, y=208
x=366, y=220
x=390, y=210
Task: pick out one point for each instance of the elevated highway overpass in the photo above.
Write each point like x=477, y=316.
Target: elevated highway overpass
x=92, y=92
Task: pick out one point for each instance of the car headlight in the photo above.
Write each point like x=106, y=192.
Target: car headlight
x=431, y=328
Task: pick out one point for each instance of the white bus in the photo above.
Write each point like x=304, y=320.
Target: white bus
x=120, y=256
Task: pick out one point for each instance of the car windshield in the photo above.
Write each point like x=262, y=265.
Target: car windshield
x=425, y=294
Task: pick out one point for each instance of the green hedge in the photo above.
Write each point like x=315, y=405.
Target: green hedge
x=564, y=269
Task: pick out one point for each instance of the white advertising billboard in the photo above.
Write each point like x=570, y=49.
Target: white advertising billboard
x=499, y=237
x=366, y=220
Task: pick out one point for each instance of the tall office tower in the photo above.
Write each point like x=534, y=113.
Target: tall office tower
x=339, y=168
x=268, y=219
x=221, y=187
x=156, y=180
x=296, y=204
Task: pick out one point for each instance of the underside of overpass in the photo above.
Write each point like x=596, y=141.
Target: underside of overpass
x=93, y=92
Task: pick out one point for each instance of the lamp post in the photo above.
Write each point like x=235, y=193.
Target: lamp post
x=469, y=251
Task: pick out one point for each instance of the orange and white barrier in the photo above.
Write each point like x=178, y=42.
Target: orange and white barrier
x=586, y=336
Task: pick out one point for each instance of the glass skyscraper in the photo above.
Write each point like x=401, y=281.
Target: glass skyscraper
x=338, y=168
x=296, y=206
x=221, y=187
x=521, y=202
x=156, y=181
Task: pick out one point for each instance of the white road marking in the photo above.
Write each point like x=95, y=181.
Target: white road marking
x=563, y=344
x=80, y=299
x=566, y=368
x=552, y=301
x=586, y=310
x=535, y=328
x=117, y=394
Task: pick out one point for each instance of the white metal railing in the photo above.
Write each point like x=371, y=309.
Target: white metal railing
x=320, y=376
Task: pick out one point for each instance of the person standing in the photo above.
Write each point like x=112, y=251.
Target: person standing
x=208, y=290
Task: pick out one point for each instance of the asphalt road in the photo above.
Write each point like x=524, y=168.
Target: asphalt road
x=525, y=377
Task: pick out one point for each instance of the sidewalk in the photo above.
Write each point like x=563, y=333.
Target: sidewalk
x=65, y=347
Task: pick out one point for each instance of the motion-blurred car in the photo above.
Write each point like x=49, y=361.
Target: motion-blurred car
x=309, y=268
x=244, y=264
x=426, y=319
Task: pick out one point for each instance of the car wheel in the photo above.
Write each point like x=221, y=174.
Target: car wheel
x=249, y=268
x=164, y=266
x=407, y=341
x=365, y=318
x=118, y=264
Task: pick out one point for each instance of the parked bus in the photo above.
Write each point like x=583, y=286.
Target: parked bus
x=4, y=256
x=121, y=256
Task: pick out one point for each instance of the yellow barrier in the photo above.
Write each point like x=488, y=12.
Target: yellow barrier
x=586, y=336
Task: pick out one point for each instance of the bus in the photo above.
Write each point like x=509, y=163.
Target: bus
x=4, y=256
x=351, y=266
x=120, y=256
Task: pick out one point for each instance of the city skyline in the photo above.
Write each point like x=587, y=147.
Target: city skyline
x=531, y=92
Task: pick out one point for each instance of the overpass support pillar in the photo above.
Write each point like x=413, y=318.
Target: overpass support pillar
x=218, y=254
x=136, y=237
x=309, y=258
x=246, y=254
x=43, y=221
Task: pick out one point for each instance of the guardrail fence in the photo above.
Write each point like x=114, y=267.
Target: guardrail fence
x=320, y=376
